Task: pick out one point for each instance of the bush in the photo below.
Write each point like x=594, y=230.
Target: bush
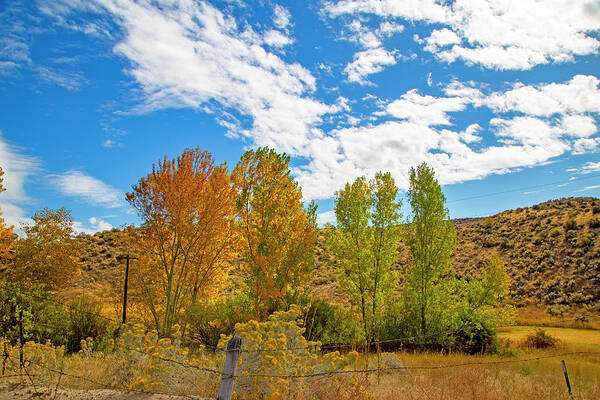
x=85, y=321
x=330, y=324
x=209, y=320
x=540, y=340
x=475, y=334
x=554, y=232
x=570, y=225
x=278, y=347
x=41, y=319
x=594, y=223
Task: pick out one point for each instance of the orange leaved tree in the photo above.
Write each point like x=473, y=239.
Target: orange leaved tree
x=278, y=234
x=188, y=239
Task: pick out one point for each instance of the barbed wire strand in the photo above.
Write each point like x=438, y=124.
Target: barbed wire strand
x=104, y=385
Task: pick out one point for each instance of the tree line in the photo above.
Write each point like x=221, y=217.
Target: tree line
x=199, y=220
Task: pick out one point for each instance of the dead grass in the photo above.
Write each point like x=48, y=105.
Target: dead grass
x=508, y=379
x=533, y=315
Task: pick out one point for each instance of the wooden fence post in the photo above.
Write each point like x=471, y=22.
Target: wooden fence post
x=567, y=378
x=21, y=340
x=234, y=347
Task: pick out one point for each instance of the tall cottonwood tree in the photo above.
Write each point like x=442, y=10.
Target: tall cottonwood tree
x=431, y=238
x=278, y=233
x=48, y=255
x=365, y=244
x=188, y=240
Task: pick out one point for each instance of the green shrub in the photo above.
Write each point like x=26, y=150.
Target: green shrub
x=209, y=320
x=540, y=340
x=85, y=321
x=42, y=320
x=475, y=333
x=570, y=225
x=594, y=223
x=554, y=232
x=329, y=324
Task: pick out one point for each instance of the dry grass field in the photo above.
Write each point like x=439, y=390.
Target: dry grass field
x=520, y=373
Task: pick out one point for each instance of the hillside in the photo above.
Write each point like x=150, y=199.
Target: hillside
x=551, y=251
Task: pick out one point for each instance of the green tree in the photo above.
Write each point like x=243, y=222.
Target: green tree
x=431, y=238
x=277, y=232
x=365, y=244
x=48, y=256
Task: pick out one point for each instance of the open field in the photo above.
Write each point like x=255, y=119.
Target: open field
x=579, y=338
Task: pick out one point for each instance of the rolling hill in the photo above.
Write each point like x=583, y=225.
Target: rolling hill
x=551, y=251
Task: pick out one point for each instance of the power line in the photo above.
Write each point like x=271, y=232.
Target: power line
x=522, y=188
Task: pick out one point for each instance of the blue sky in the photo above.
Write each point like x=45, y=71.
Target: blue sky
x=501, y=98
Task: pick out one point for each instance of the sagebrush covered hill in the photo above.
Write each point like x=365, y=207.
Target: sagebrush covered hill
x=551, y=251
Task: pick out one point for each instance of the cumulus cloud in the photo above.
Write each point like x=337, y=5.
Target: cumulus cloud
x=425, y=110
x=220, y=68
x=325, y=217
x=18, y=167
x=87, y=189
x=500, y=34
x=374, y=58
x=94, y=225
x=275, y=38
x=421, y=129
x=368, y=62
x=281, y=17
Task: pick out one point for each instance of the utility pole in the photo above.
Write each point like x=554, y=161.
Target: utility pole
x=127, y=258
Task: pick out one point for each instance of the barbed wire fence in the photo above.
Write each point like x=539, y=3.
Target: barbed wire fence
x=228, y=375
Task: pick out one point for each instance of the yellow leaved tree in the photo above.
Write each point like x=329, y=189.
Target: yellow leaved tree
x=278, y=234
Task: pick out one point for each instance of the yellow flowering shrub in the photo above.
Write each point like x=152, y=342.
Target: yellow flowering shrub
x=42, y=360
x=276, y=360
x=144, y=359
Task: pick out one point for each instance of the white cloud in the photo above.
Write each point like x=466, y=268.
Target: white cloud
x=593, y=187
x=588, y=168
x=519, y=135
x=374, y=58
x=14, y=42
x=579, y=95
x=423, y=10
x=425, y=110
x=219, y=68
x=282, y=17
x=368, y=62
x=109, y=143
x=440, y=38
x=71, y=81
x=94, y=225
x=586, y=145
x=325, y=217
x=501, y=34
x=387, y=28
x=17, y=167
x=87, y=189
x=275, y=38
